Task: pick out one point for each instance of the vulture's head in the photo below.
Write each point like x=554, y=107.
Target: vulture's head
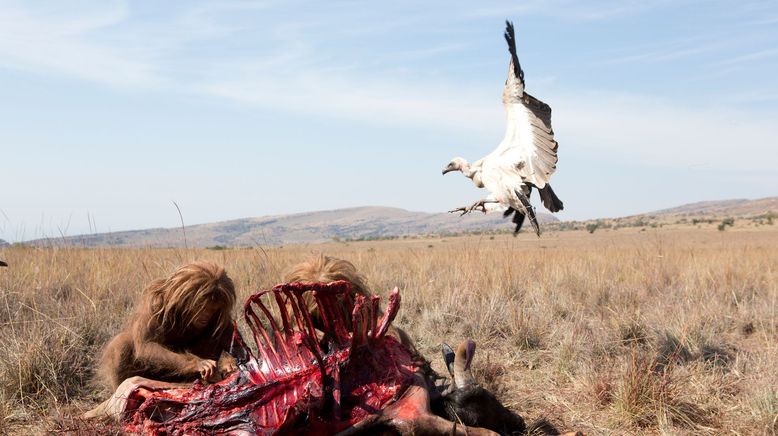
x=457, y=164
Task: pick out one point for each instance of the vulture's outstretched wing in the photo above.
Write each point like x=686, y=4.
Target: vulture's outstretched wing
x=528, y=148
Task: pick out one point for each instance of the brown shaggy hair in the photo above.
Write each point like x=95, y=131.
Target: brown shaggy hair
x=161, y=341
x=326, y=269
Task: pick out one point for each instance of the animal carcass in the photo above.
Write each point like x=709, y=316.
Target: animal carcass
x=350, y=378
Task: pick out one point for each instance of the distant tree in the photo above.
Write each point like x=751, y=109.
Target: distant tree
x=726, y=222
x=770, y=216
x=591, y=227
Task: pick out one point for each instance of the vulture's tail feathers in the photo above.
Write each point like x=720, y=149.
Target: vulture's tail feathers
x=550, y=200
x=510, y=38
x=3, y=263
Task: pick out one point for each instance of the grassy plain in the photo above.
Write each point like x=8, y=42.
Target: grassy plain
x=670, y=330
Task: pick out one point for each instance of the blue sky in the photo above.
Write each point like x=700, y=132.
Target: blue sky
x=110, y=111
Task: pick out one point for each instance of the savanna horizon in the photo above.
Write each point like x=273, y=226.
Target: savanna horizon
x=380, y=222
x=625, y=331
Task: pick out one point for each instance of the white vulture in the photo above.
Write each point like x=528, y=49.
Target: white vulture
x=525, y=159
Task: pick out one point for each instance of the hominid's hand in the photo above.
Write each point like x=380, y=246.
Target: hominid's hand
x=206, y=368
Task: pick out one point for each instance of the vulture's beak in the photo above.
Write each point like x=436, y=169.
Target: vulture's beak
x=447, y=169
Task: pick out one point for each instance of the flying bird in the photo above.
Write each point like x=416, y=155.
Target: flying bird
x=525, y=159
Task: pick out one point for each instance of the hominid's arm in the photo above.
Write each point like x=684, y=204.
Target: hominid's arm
x=162, y=358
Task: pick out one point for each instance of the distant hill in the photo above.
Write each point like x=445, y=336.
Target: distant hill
x=724, y=208
x=370, y=222
x=745, y=212
x=374, y=222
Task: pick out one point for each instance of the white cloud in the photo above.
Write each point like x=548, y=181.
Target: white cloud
x=752, y=57
x=571, y=10
x=366, y=99
x=56, y=40
x=667, y=133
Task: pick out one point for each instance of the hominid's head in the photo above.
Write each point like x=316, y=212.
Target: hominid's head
x=196, y=296
x=326, y=269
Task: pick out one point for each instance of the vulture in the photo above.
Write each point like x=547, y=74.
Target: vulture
x=525, y=159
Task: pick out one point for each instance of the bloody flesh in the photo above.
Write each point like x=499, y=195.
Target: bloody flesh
x=302, y=380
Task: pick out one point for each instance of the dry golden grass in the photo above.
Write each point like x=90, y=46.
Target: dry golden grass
x=665, y=331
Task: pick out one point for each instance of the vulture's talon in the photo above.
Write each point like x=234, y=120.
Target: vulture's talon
x=478, y=205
